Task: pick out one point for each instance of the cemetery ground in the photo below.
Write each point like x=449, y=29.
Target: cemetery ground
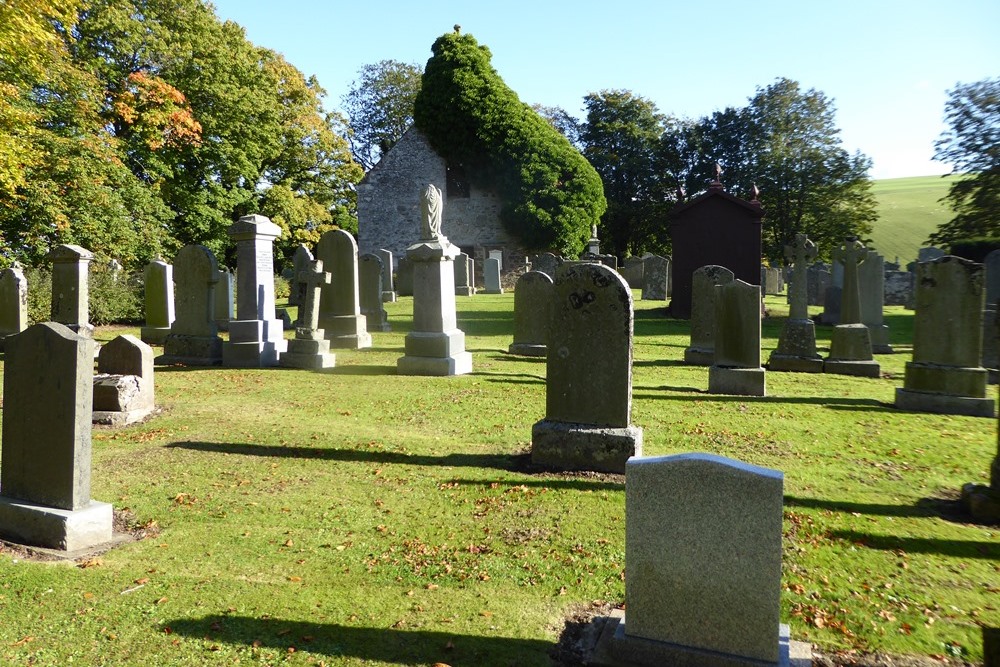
x=360, y=517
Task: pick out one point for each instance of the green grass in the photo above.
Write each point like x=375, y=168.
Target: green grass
x=358, y=517
x=910, y=209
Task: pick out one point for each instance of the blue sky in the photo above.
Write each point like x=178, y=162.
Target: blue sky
x=886, y=64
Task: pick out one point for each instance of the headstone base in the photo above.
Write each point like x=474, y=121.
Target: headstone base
x=527, y=349
x=490, y=291
x=697, y=356
x=850, y=342
x=66, y=530
x=388, y=297
x=788, y=363
x=347, y=332
x=154, y=335
x=253, y=344
x=982, y=502
x=308, y=353
x=566, y=446
x=797, y=341
x=946, y=380
x=944, y=404
x=615, y=648
x=465, y=291
x=737, y=381
x=459, y=363
x=880, y=339
x=865, y=369
x=191, y=350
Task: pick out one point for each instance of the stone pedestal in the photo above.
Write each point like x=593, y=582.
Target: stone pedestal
x=737, y=381
x=796, y=349
x=945, y=390
x=312, y=352
x=851, y=352
x=54, y=528
x=565, y=446
x=70, y=287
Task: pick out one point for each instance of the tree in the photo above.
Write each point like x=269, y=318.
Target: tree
x=971, y=145
x=562, y=120
x=551, y=194
x=379, y=108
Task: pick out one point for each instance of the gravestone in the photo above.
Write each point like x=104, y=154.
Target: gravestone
x=982, y=501
x=491, y=277
x=655, y=278
x=818, y=279
x=223, y=308
x=898, y=288
x=464, y=275
x=388, y=284
x=701, y=352
x=159, y=301
x=772, y=281
x=945, y=376
x=991, y=355
x=632, y=271
x=70, y=287
x=736, y=365
x=370, y=293
x=310, y=349
x=46, y=449
x=547, y=263
x=13, y=302
x=871, y=290
x=340, y=306
x=256, y=336
x=533, y=296
x=588, y=386
x=703, y=566
x=404, y=278
x=929, y=254
x=850, y=344
x=300, y=261
x=194, y=335
x=796, y=349
x=123, y=386
x=435, y=346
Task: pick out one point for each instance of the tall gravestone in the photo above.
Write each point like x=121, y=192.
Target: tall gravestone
x=13, y=303
x=159, y=301
x=70, y=287
x=533, y=296
x=388, y=284
x=301, y=259
x=991, y=353
x=464, y=275
x=796, y=349
x=655, y=278
x=223, y=307
x=123, y=386
x=736, y=365
x=945, y=375
x=404, y=278
x=370, y=293
x=45, y=476
x=194, y=335
x=817, y=280
x=588, y=385
x=703, y=565
x=310, y=348
x=340, y=301
x=491, y=277
x=547, y=263
x=256, y=336
x=435, y=346
x=701, y=351
x=632, y=271
x=871, y=290
x=850, y=343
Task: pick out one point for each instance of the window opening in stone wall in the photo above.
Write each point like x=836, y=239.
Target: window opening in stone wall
x=458, y=183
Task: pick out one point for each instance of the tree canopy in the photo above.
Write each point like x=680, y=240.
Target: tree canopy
x=551, y=193
x=379, y=107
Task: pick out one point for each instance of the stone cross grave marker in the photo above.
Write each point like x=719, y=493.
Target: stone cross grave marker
x=796, y=349
x=309, y=349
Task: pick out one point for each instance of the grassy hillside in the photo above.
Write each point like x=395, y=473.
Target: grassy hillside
x=909, y=211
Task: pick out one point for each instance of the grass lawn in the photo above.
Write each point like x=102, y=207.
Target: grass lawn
x=358, y=517
x=910, y=210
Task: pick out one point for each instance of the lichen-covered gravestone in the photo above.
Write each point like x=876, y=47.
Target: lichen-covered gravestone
x=632, y=271
x=945, y=375
x=796, y=349
x=547, y=263
x=340, y=302
x=736, y=365
x=123, y=386
x=370, y=275
x=159, y=301
x=655, y=278
x=194, y=335
x=13, y=302
x=701, y=352
x=587, y=423
x=533, y=296
x=310, y=348
x=850, y=343
x=45, y=476
x=70, y=287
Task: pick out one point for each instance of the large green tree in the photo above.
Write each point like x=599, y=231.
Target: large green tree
x=551, y=194
x=379, y=108
x=971, y=145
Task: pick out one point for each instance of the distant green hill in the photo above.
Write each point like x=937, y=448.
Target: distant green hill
x=909, y=211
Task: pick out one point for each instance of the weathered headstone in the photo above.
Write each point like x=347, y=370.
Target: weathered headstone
x=435, y=346
x=310, y=348
x=404, y=278
x=340, y=306
x=703, y=565
x=159, y=301
x=123, y=386
x=898, y=288
x=991, y=354
x=533, y=296
x=370, y=293
x=871, y=290
x=547, y=263
x=701, y=352
x=194, y=335
x=817, y=280
x=45, y=476
x=223, y=307
x=388, y=284
x=796, y=349
x=655, y=278
x=13, y=302
x=300, y=262
x=929, y=254
x=772, y=281
x=491, y=277
x=850, y=343
x=464, y=276
x=945, y=375
x=736, y=365
x=256, y=336
x=632, y=271
x=70, y=287
x=587, y=423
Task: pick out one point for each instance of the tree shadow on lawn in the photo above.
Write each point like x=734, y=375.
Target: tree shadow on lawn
x=388, y=645
x=921, y=509
x=964, y=549
x=834, y=403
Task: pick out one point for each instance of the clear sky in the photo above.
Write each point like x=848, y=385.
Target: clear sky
x=886, y=64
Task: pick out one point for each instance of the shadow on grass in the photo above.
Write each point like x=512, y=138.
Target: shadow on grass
x=835, y=403
x=402, y=647
x=572, y=483
x=509, y=377
x=953, y=548
x=861, y=508
x=485, y=323
x=659, y=362
x=360, y=369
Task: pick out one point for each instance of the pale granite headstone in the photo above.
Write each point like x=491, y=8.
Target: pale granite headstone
x=655, y=278
x=46, y=450
x=13, y=302
x=491, y=277
x=70, y=287
x=194, y=334
x=587, y=423
x=736, y=365
x=310, y=348
x=850, y=343
x=796, y=349
x=464, y=280
x=533, y=296
x=300, y=262
x=945, y=375
x=123, y=386
x=370, y=292
x=701, y=352
x=388, y=284
x=871, y=290
x=340, y=302
x=159, y=301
